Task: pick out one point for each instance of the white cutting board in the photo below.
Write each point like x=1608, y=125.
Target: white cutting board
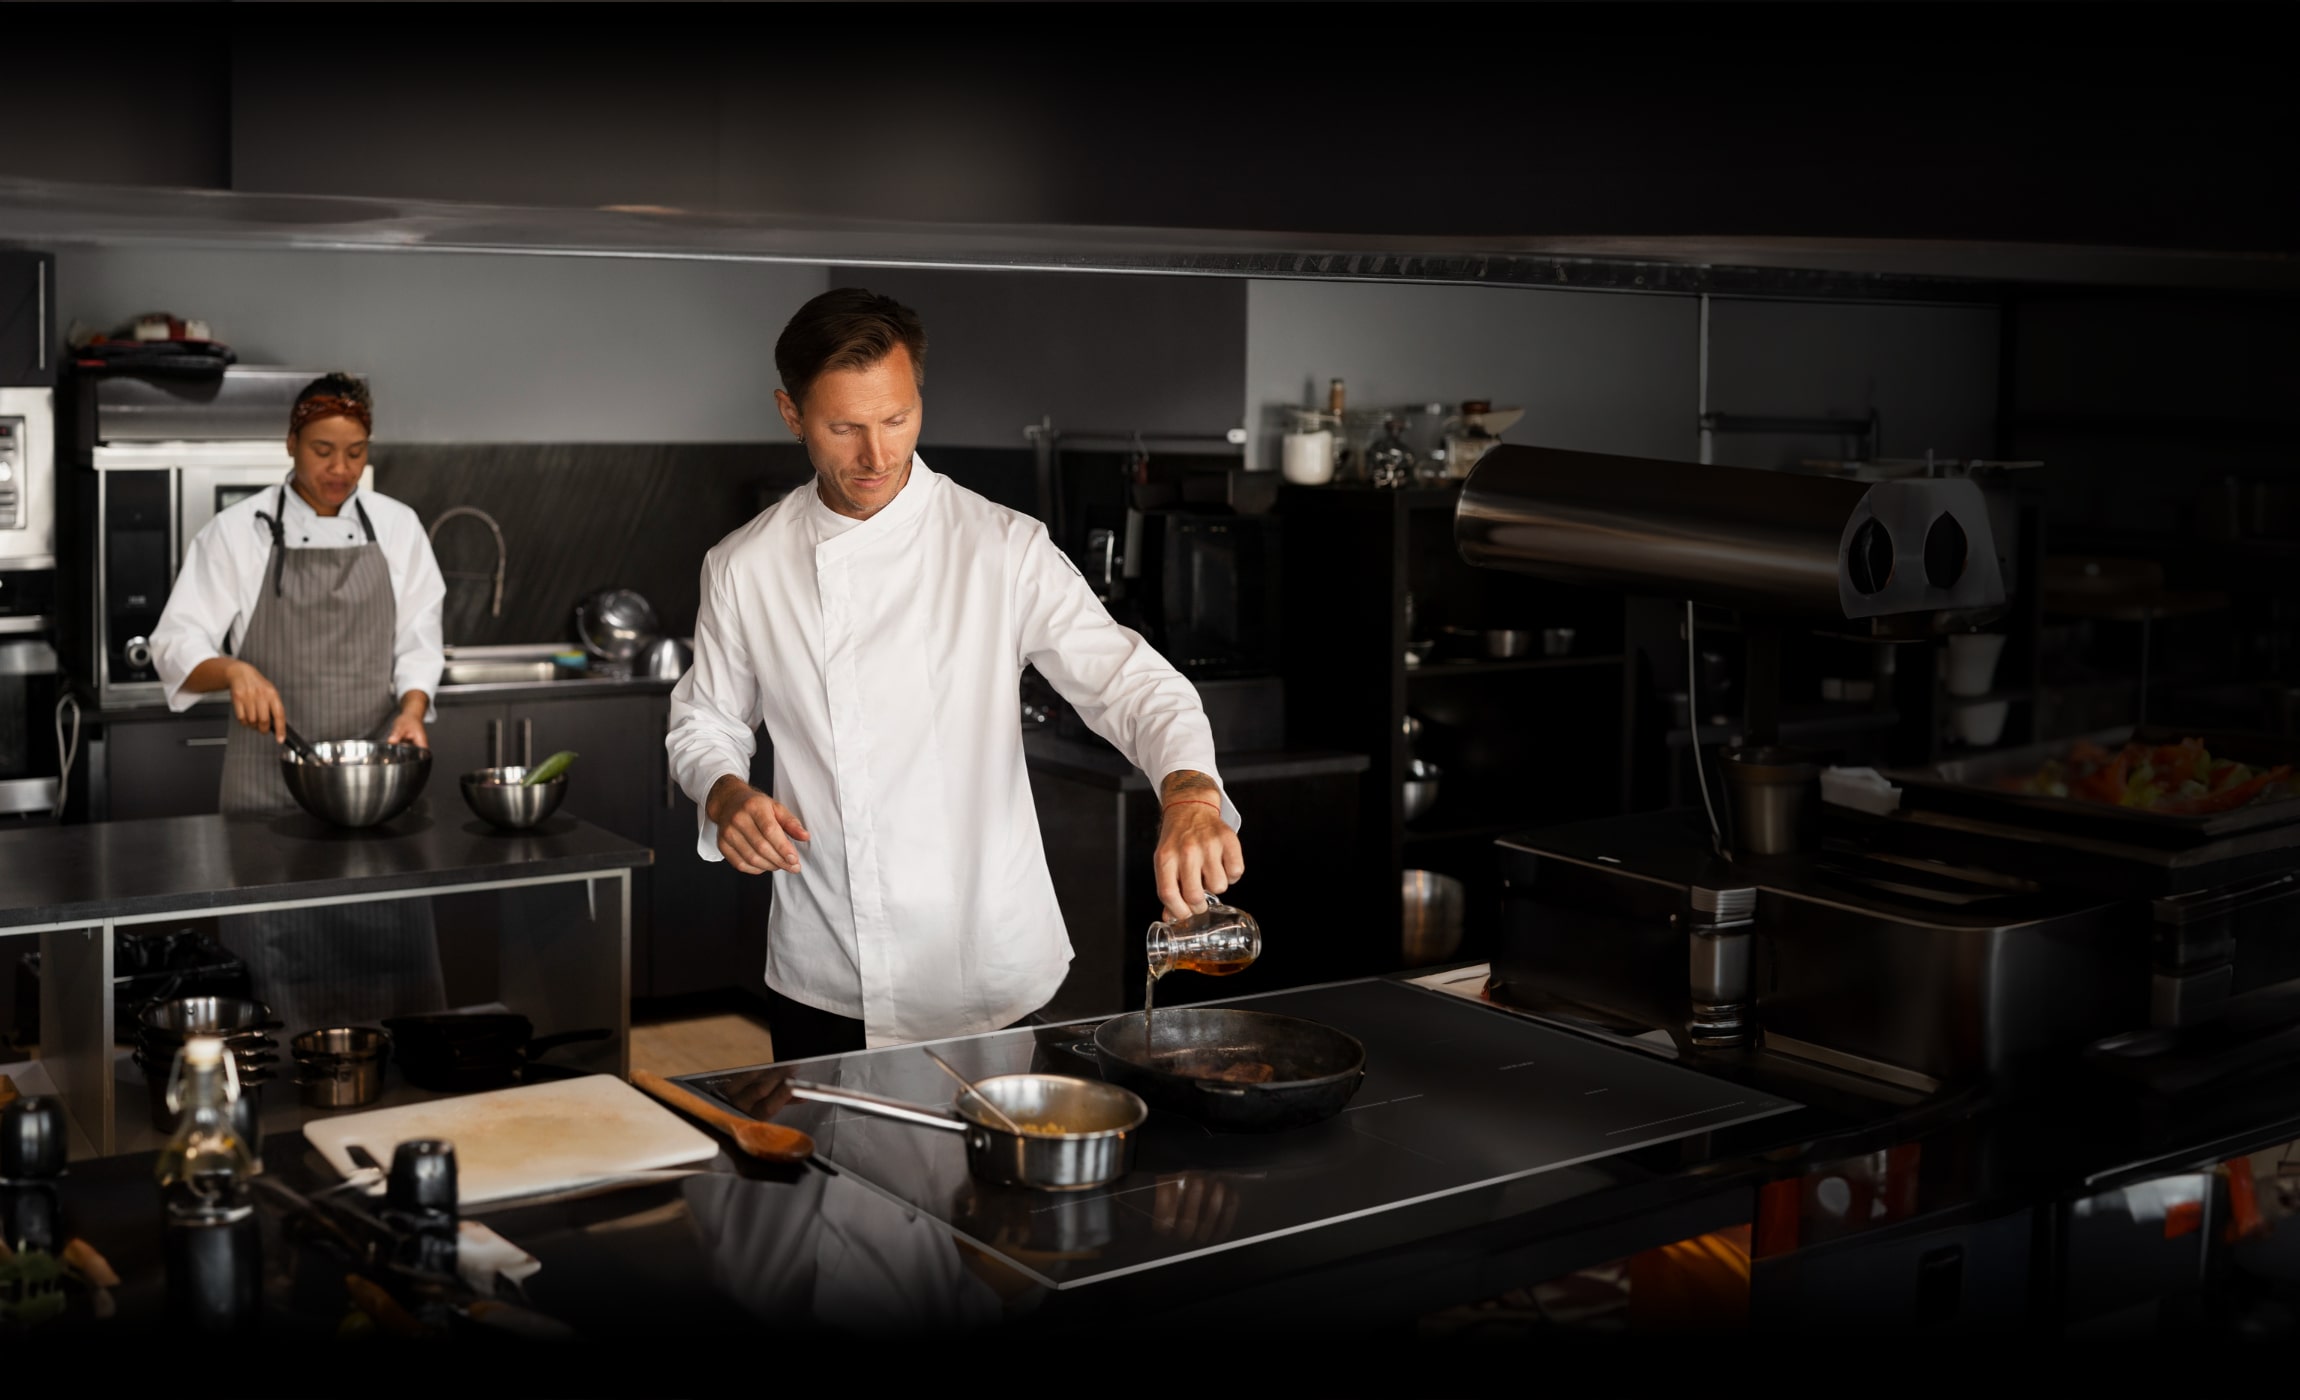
x=552, y=1136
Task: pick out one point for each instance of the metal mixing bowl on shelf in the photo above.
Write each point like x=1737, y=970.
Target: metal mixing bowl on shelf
x=501, y=796
x=356, y=782
x=613, y=624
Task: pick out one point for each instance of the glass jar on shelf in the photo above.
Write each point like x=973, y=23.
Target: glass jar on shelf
x=1389, y=462
x=1467, y=438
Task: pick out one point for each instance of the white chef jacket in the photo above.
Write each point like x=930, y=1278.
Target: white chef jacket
x=885, y=658
x=223, y=574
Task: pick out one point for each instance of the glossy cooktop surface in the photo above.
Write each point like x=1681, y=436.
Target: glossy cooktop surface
x=1458, y=1097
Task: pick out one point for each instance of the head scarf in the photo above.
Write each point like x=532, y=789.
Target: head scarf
x=320, y=406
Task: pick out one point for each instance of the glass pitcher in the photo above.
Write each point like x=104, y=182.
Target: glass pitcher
x=1217, y=940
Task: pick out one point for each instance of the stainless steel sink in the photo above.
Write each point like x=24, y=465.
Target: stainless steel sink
x=497, y=672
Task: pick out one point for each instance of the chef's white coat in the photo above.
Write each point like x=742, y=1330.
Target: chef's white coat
x=884, y=658
x=223, y=575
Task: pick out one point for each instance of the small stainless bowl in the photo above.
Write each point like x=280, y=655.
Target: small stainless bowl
x=1421, y=788
x=356, y=782
x=1508, y=643
x=498, y=797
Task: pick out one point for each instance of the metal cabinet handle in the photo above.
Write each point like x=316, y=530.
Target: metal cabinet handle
x=215, y=743
x=670, y=783
x=495, y=743
x=527, y=742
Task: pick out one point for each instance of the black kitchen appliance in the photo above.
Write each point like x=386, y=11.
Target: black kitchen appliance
x=31, y=681
x=1205, y=588
x=1950, y=940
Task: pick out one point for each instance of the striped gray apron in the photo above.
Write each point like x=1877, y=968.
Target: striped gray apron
x=322, y=634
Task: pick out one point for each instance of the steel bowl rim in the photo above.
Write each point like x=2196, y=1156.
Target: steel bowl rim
x=477, y=778
x=1141, y=1109
x=394, y=755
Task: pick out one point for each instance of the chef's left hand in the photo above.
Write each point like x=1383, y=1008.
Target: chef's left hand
x=407, y=725
x=1197, y=855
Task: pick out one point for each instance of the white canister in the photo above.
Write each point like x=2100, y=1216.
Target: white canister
x=1973, y=662
x=1309, y=457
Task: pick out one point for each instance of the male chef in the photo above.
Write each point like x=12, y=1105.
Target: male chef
x=877, y=623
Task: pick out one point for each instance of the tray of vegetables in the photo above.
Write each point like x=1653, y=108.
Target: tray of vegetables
x=2206, y=784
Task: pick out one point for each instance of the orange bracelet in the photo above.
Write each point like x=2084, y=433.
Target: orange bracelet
x=1199, y=800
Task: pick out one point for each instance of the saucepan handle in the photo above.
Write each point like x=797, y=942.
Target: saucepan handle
x=876, y=1106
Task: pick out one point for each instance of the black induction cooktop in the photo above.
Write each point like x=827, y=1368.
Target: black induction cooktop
x=1458, y=1097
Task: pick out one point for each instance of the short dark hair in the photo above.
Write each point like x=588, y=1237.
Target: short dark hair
x=846, y=328
x=338, y=385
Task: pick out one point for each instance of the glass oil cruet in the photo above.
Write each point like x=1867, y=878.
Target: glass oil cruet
x=205, y=1168
x=1217, y=940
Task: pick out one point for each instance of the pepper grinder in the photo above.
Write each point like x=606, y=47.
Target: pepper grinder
x=32, y=1156
x=419, y=1202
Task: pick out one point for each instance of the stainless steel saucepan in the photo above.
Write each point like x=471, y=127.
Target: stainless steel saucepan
x=1077, y=1133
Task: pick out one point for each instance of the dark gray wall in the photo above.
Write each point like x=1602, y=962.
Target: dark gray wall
x=2146, y=405
x=482, y=347
x=1149, y=354
x=580, y=517
x=1929, y=373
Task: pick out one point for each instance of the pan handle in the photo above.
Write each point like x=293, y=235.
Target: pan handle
x=543, y=1043
x=877, y=1107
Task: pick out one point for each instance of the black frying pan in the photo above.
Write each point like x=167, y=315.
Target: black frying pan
x=458, y=1052
x=1207, y=1065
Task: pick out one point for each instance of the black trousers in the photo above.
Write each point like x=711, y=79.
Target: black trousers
x=802, y=1032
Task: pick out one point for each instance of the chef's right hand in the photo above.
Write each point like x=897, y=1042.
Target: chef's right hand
x=255, y=703
x=755, y=831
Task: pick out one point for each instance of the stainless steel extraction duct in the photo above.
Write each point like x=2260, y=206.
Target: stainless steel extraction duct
x=1779, y=542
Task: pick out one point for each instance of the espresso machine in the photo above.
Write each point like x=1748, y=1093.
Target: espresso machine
x=1956, y=939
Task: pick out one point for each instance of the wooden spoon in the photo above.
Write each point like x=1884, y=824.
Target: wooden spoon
x=769, y=1142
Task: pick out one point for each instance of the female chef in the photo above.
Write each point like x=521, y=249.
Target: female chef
x=317, y=604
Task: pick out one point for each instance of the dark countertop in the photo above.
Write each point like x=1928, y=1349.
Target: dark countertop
x=744, y=1248
x=102, y=870
x=1097, y=763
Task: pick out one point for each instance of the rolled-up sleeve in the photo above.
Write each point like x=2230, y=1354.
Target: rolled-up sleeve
x=418, y=655
x=200, y=617
x=1119, y=684
x=714, y=707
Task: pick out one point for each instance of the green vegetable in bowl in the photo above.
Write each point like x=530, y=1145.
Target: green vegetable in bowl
x=549, y=768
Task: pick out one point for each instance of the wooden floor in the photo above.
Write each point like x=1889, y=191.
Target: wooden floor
x=700, y=1043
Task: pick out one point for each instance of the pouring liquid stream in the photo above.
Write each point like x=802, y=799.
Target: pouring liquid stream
x=1213, y=965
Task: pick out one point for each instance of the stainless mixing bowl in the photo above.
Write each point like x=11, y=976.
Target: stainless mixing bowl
x=357, y=782
x=614, y=623
x=497, y=797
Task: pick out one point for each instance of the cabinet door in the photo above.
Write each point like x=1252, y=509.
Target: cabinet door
x=166, y=767
x=462, y=740
x=616, y=782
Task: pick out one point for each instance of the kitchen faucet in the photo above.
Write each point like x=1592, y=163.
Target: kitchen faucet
x=496, y=609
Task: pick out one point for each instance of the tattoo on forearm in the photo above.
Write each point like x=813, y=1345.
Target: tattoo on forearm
x=1187, y=783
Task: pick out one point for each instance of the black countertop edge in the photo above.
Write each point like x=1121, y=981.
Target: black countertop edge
x=1103, y=766
x=86, y=874
x=224, y=901
x=446, y=695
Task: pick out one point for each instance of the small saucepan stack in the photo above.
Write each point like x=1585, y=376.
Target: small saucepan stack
x=244, y=1026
